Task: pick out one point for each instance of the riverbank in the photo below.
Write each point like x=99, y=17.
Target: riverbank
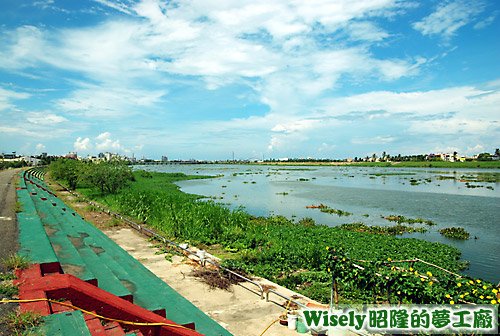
x=401, y=164
x=292, y=254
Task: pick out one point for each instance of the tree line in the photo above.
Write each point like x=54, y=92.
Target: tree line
x=108, y=177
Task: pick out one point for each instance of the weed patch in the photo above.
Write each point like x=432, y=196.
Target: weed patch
x=15, y=262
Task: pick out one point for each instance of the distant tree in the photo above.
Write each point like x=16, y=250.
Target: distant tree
x=484, y=157
x=67, y=170
x=497, y=152
x=108, y=177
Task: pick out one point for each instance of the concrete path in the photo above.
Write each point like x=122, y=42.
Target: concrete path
x=240, y=311
x=8, y=225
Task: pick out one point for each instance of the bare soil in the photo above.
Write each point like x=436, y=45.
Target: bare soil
x=8, y=235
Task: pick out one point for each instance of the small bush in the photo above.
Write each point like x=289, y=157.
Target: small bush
x=15, y=262
x=8, y=289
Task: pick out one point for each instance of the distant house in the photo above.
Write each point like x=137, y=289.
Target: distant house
x=31, y=161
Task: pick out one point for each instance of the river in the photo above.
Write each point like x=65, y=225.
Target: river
x=448, y=197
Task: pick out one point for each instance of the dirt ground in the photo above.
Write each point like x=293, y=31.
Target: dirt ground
x=8, y=234
x=8, y=224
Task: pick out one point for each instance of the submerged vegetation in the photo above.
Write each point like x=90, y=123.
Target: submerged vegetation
x=402, y=219
x=455, y=233
x=293, y=254
x=327, y=209
x=392, y=230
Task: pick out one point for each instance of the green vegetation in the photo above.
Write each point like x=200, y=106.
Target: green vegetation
x=403, y=281
x=18, y=207
x=392, y=230
x=8, y=289
x=290, y=253
x=402, y=219
x=25, y=323
x=327, y=209
x=12, y=164
x=108, y=177
x=455, y=233
x=473, y=177
x=337, y=212
x=16, y=262
x=391, y=174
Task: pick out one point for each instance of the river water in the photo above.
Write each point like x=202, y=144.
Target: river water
x=438, y=194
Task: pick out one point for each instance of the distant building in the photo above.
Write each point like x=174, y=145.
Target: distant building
x=164, y=159
x=72, y=155
x=31, y=161
x=9, y=155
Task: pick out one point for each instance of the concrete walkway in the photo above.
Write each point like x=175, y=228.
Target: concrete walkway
x=240, y=311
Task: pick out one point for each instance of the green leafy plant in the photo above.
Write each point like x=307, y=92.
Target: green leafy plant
x=15, y=262
x=8, y=289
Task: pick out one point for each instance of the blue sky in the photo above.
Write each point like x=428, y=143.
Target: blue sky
x=282, y=78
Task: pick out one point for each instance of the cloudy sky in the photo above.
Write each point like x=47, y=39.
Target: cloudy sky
x=274, y=78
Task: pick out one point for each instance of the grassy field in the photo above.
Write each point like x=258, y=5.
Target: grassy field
x=293, y=254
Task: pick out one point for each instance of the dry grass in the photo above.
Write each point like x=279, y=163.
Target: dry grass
x=213, y=278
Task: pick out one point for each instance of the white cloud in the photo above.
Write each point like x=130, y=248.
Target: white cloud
x=107, y=101
x=454, y=126
x=295, y=126
x=366, y=31
x=45, y=118
x=82, y=144
x=22, y=47
x=119, y=6
x=7, y=96
x=105, y=143
x=222, y=42
x=486, y=22
x=43, y=3
x=378, y=140
x=449, y=17
x=40, y=147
